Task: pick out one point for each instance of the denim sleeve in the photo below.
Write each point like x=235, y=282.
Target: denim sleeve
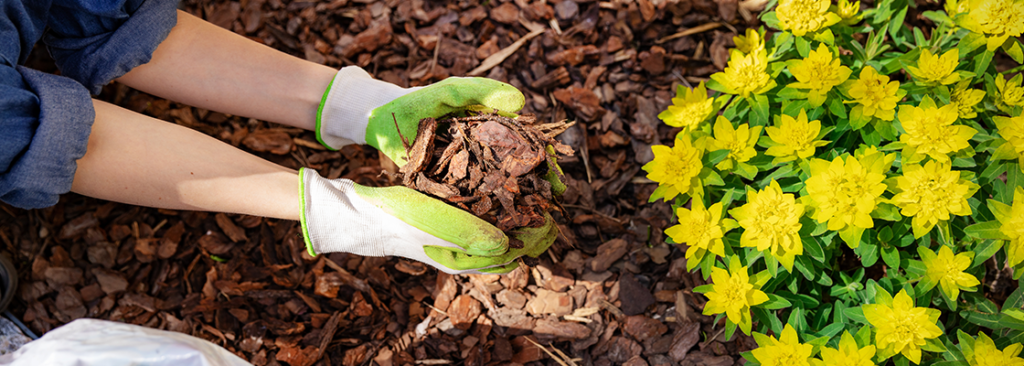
x=45, y=121
x=96, y=41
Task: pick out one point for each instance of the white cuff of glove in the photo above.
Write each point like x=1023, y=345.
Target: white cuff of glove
x=347, y=104
x=336, y=219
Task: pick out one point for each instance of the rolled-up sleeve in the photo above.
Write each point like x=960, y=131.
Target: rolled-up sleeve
x=46, y=121
x=95, y=41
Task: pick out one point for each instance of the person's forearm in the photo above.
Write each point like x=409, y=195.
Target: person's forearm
x=203, y=65
x=139, y=160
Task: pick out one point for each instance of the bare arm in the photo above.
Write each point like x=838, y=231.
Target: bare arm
x=203, y=65
x=140, y=160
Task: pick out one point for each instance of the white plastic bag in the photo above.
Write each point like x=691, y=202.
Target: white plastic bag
x=92, y=342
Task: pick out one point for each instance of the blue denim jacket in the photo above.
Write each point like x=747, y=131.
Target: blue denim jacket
x=45, y=119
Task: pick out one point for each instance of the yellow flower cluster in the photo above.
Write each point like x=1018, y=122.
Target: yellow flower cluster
x=689, y=108
x=997, y=20
x=676, y=168
x=874, y=94
x=771, y=222
x=746, y=74
x=844, y=193
x=930, y=194
x=1011, y=219
x=819, y=72
x=930, y=131
x=805, y=16
x=702, y=229
x=947, y=270
x=733, y=293
x=936, y=70
x=794, y=138
x=901, y=327
x=739, y=141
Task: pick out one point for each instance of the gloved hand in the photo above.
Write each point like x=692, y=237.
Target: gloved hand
x=341, y=216
x=359, y=109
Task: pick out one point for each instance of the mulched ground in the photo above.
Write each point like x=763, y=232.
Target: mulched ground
x=609, y=291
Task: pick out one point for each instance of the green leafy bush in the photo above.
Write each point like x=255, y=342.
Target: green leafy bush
x=850, y=178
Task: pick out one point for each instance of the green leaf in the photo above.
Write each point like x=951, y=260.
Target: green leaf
x=1014, y=50
x=776, y=302
x=835, y=105
x=813, y=248
x=966, y=344
x=868, y=252
x=791, y=94
x=985, y=250
x=934, y=345
x=759, y=115
x=986, y=230
x=856, y=314
x=891, y=256
x=803, y=47
x=982, y=61
x=717, y=156
x=897, y=22
x=768, y=318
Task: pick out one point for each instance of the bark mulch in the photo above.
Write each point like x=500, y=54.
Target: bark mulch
x=609, y=291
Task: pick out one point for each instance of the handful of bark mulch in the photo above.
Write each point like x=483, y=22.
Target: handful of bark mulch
x=472, y=161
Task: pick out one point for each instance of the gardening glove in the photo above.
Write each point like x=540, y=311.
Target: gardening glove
x=359, y=109
x=341, y=216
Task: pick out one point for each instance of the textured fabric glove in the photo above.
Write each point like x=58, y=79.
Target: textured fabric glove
x=341, y=216
x=359, y=109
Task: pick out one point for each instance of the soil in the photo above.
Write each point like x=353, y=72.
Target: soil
x=471, y=162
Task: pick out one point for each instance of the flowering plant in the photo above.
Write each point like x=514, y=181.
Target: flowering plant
x=852, y=188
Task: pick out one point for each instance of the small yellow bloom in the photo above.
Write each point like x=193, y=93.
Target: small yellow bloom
x=986, y=353
x=875, y=95
x=733, y=294
x=848, y=353
x=1012, y=130
x=902, y=328
x=749, y=42
x=947, y=270
x=934, y=69
x=845, y=193
x=784, y=351
x=819, y=72
x=1011, y=219
x=997, y=20
x=739, y=141
x=965, y=99
x=930, y=131
x=805, y=16
x=689, y=108
x=771, y=221
x=794, y=138
x=746, y=74
x=676, y=168
x=848, y=11
x=701, y=229
x=1011, y=93
x=930, y=194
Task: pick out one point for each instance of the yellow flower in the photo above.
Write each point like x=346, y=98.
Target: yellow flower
x=689, y=108
x=965, y=99
x=930, y=194
x=934, y=69
x=733, y=294
x=771, y=221
x=845, y=194
x=986, y=353
x=805, y=16
x=702, y=229
x=947, y=270
x=750, y=42
x=902, y=328
x=745, y=74
x=875, y=95
x=1011, y=219
x=794, y=138
x=1011, y=93
x=997, y=20
x=1012, y=130
x=819, y=72
x=848, y=11
x=848, y=353
x=676, y=168
x=784, y=351
x=739, y=141
x=930, y=131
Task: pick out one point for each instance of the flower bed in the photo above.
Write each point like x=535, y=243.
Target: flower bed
x=874, y=163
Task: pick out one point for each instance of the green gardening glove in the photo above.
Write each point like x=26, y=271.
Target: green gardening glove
x=340, y=216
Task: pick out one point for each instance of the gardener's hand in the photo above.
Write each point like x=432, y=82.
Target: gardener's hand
x=340, y=216
x=359, y=109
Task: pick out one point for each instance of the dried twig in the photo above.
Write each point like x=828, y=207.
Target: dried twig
x=698, y=29
x=497, y=58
